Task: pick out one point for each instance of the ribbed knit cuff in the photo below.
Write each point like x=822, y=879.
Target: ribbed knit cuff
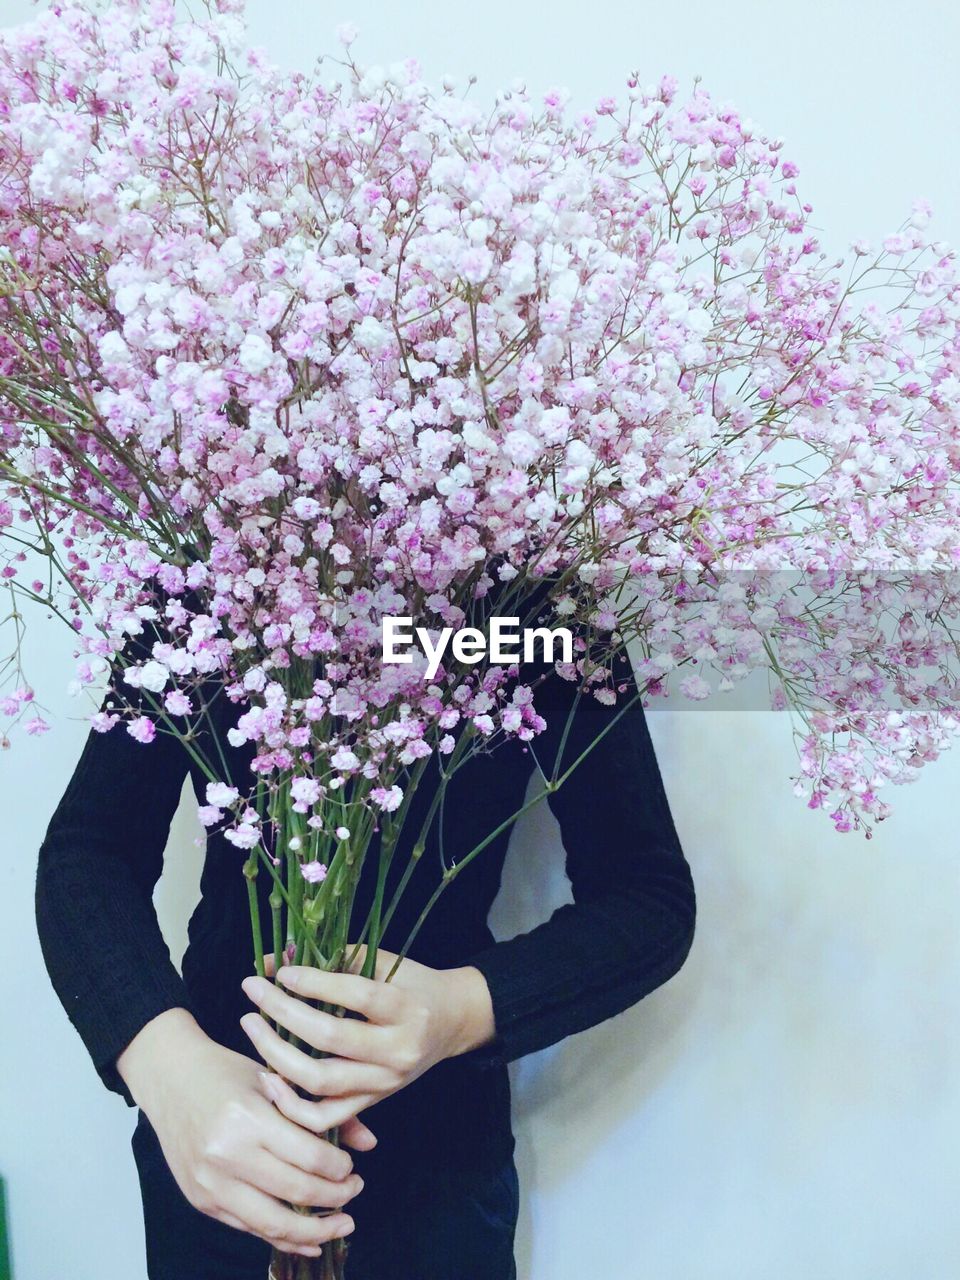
x=111, y=1043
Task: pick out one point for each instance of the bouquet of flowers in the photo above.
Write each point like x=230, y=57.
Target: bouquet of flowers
x=291, y=362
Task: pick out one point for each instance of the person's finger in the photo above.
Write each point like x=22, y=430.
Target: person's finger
x=230, y=1219
x=297, y=1145
x=276, y=1177
x=320, y=1116
x=336, y=1077
x=316, y=1075
x=326, y=1113
x=290, y=1231
x=305, y=1112
x=345, y=1037
x=356, y=1135
x=375, y=1000
x=357, y=956
x=270, y=962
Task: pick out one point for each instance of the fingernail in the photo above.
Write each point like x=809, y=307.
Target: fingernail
x=271, y=1084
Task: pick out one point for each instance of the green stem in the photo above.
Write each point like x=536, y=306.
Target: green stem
x=276, y=912
x=420, y=843
x=250, y=868
x=552, y=784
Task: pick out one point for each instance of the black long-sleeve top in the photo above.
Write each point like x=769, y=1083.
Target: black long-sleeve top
x=628, y=930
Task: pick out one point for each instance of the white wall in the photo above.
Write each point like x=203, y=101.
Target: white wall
x=789, y=1104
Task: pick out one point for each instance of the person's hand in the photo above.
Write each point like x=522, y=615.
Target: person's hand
x=233, y=1154
x=407, y=1025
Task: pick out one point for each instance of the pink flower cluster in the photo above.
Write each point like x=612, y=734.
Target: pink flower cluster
x=312, y=350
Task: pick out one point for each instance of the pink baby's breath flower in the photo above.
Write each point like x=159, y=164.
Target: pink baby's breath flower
x=305, y=790
x=177, y=703
x=244, y=836
x=151, y=676
x=315, y=448
x=221, y=794
x=142, y=729
x=313, y=872
x=695, y=687
x=387, y=798
x=344, y=759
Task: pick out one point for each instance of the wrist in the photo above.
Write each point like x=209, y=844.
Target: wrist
x=473, y=1018
x=155, y=1057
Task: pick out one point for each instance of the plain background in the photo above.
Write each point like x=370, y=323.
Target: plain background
x=789, y=1104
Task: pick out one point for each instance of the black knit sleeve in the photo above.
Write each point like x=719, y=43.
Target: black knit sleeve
x=631, y=924
x=99, y=861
